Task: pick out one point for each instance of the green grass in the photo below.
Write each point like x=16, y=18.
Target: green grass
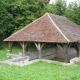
x=37, y=71
x=40, y=71
x=3, y=52
x=15, y=50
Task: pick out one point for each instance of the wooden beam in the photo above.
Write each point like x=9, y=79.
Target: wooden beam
x=10, y=47
x=42, y=45
x=39, y=47
x=24, y=45
x=21, y=43
x=60, y=47
x=78, y=50
x=76, y=46
x=24, y=51
x=66, y=50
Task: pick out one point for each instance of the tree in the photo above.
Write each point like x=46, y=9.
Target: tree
x=6, y=19
x=58, y=8
x=73, y=13
x=51, y=8
x=15, y=14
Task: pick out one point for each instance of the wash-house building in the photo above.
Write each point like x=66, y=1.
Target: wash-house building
x=49, y=28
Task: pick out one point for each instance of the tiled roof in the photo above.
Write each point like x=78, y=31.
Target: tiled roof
x=67, y=27
x=48, y=28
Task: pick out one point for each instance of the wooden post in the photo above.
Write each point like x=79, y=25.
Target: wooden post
x=66, y=48
x=77, y=47
x=39, y=47
x=23, y=44
x=60, y=48
x=78, y=50
x=10, y=47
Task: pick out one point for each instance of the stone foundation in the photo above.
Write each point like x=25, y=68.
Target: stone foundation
x=71, y=53
x=46, y=54
x=49, y=53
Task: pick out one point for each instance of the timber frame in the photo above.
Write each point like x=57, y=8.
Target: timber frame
x=63, y=47
x=10, y=44
x=49, y=28
x=39, y=47
x=24, y=45
x=65, y=50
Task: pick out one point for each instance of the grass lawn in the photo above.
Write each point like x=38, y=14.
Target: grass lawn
x=3, y=52
x=15, y=50
x=40, y=71
x=37, y=71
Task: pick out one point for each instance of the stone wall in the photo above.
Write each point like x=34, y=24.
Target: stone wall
x=51, y=53
x=71, y=53
x=46, y=54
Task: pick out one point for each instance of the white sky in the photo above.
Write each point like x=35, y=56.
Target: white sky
x=68, y=1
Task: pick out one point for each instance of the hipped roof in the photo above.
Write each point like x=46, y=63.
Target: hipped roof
x=48, y=28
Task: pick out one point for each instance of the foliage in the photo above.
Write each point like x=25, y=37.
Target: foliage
x=72, y=12
x=51, y=8
x=58, y=8
x=15, y=14
x=6, y=18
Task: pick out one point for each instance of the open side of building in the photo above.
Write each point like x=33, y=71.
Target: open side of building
x=49, y=28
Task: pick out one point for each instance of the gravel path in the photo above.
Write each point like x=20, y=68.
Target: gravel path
x=25, y=62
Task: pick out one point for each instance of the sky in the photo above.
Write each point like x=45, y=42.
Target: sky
x=68, y=1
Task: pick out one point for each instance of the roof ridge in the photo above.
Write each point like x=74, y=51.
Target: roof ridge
x=58, y=28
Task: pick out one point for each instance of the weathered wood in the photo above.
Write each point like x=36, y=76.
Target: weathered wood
x=24, y=50
x=21, y=44
x=39, y=47
x=42, y=45
x=78, y=51
x=24, y=45
x=76, y=46
x=66, y=48
x=60, y=47
x=10, y=47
